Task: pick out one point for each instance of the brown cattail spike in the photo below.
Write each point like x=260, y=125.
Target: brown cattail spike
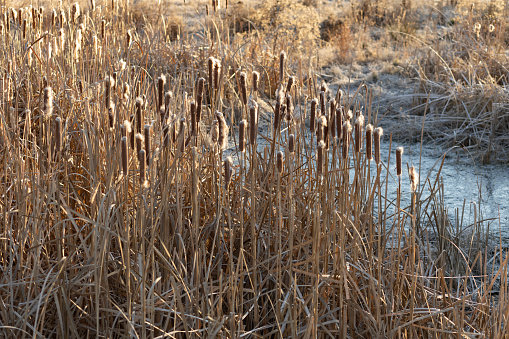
x=256, y=79
x=277, y=111
x=214, y=132
x=160, y=90
x=279, y=162
x=322, y=103
x=312, y=116
x=369, y=142
x=217, y=67
x=123, y=143
x=253, y=115
x=211, y=62
x=243, y=87
x=339, y=122
x=319, y=161
x=227, y=172
x=139, y=144
x=146, y=133
x=111, y=115
x=399, y=156
x=282, y=59
x=289, y=85
x=223, y=131
x=377, y=136
x=242, y=135
x=199, y=99
x=414, y=178
x=48, y=101
x=291, y=143
x=138, y=110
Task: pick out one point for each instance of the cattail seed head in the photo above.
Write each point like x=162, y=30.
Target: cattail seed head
x=107, y=91
x=253, y=123
x=339, y=122
x=146, y=132
x=243, y=87
x=217, y=68
x=323, y=87
x=377, y=136
x=277, y=111
x=369, y=142
x=242, y=135
x=256, y=79
x=279, y=162
x=48, y=101
x=332, y=119
x=322, y=125
x=139, y=143
x=312, y=117
x=347, y=130
x=414, y=178
x=322, y=103
x=227, y=172
x=111, y=115
x=210, y=64
x=192, y=111
x=282, y=59
x=289, y=85
x=103, y=29
x=160, y=90
x=129, y=39
x=75, y=12
x=138, y=110
x=289, y=108
x=223, y=130
x=24, y=29
x=399, y=156
x=291, y=143
x=359, y=125
x=123, y=143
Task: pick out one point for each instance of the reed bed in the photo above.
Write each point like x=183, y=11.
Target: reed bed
x=148, y=192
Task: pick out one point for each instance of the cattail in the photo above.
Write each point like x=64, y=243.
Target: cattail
x=199, y=99
x=282, y=59
x=207, y=10
x=243, y=87
x=92, y=5
x=369, y=142
x=103, y=29
x=160, y=90
x=312, y=116
x=339, y=122
x=414, y=178
x=214, y=132
x=332, y=118
x=139, y=107
x=75, y=12
x=242, y=135
x=256, y=78
x=2, y=30
x=289, y=108
x=62, y=18
x=322, y=103
x=139, y=143
x=399, y=155
x=182, y=134
x=319, y=161
x=377, y=136
x=289, y=85
x=111, y=115
x=146, y=131
x=211, y=62
x=123, y=143
x=48, y=101
x=61, y=37
x=217, y=67
x=24, y=29
x=20, y=16
x=77, y=44
x=279, y=162
x=253, y=115
x=359, y=125
x=58, y=133
x=291, y=143
x=322, y=125
x=349, y=115
x=127, y=128
x=277, y=111
x=126, y=92
x=192, y=111
x=223, y=131
x=326, y=128
x=323, y=87
x=347, y=129
x=227, y=172
x=107, y=91
x=54, y=16
x=142, y=160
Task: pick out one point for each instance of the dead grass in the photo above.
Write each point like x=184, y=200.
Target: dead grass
x=99, y=241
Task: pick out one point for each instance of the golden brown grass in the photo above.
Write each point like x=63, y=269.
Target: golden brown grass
x=104, y=235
